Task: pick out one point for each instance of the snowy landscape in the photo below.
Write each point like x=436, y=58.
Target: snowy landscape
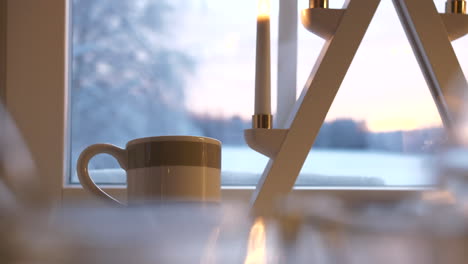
x=149, y=68
x=242, y=167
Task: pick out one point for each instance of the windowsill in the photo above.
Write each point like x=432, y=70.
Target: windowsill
x=409, y=176
x=352, y=195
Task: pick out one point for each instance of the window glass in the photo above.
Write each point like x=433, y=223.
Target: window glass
x=177, y=67
x=148, y=68
x=383, y=125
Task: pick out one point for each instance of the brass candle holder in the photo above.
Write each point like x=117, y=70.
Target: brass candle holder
x=455, y=7
x=318, y=3
x=262, y=121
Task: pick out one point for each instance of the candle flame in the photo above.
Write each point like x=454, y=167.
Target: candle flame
x=264, y=9
x=257, y=244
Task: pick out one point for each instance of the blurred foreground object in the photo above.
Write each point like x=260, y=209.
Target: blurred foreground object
x=166, y=233
x=451, y=162
x=19, y=183
x=407, y=232
x=452, y=172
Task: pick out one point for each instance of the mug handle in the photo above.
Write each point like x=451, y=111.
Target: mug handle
x=82, y=167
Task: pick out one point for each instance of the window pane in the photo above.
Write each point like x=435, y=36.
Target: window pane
x=186, y=67
x=164, y=67
x=383, y=125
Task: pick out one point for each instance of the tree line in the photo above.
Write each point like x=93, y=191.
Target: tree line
x=344, y=133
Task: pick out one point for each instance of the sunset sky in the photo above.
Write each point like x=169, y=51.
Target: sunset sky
x=383, y=86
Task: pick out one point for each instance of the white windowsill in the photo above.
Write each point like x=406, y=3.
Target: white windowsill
x=352, y=195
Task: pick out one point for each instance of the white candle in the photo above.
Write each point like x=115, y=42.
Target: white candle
x=262, y=66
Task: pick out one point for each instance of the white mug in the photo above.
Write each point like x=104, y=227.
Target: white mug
x=165, y=168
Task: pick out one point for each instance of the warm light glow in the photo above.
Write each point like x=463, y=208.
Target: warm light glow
x=439, y=197
x=257, y=244
x=394, y=124
x=264, y=9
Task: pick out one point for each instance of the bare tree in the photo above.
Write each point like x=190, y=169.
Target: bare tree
x=127, y=79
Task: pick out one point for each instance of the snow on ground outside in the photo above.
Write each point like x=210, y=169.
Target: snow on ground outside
x=375, y=168
x=243, y=166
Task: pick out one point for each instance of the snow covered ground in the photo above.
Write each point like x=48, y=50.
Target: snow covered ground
x=243, y=166
x=335, y=168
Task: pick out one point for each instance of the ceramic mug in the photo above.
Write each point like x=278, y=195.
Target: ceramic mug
x=165, y=168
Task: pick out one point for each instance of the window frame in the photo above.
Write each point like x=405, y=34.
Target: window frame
x=39, y=113
x=42, y=115
x=3, y=51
